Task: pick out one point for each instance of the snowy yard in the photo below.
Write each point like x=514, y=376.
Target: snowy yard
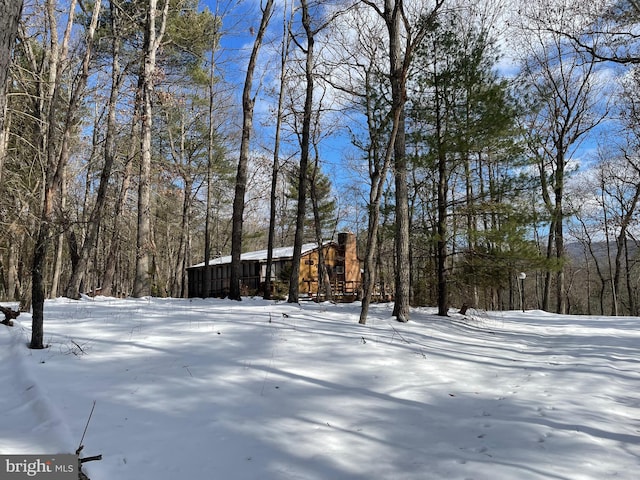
x=255, y=390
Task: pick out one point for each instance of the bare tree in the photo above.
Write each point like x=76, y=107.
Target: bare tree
x=324, y=281
x=211, y=154
x=275, y=170
x=622, y=186
x=115, y=243
x=248, y=102
x=606, y=204
x=405, y=34
x=152, y=39
x=565, y=103
x=57, y=151
x=605, y=30
x=184, y=152
x=110, y=150
x=305, y=142
x=10, y=11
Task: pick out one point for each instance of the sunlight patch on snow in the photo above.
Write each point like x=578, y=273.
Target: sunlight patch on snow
x=278, y=391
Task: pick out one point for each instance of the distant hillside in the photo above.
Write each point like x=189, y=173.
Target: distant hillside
x=575, y=250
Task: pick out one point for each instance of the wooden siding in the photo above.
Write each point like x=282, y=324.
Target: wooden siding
x=340, y=258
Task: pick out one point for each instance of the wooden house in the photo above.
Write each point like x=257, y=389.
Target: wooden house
x=340, y=258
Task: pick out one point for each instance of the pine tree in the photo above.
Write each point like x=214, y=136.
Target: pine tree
x=464, y=138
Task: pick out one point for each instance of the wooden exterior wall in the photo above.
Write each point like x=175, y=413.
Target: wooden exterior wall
x=341, y=259
x=342, y=264
x=308, y=280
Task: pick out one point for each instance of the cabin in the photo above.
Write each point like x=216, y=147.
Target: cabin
x=340, y=257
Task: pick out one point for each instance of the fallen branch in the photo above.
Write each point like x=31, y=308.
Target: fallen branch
x=80, y=445
x=91, y=459
x=9, y=315
x=81, y=474
x=75, y=353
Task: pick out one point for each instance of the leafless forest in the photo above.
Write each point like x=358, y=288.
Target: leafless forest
x=463, y=142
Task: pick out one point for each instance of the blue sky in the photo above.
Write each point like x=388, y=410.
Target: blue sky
x=239, y=18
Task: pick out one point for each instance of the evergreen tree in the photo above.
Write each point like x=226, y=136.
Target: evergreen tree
x=464, y=137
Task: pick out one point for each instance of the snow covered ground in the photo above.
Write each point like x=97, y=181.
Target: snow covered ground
x=215, y=389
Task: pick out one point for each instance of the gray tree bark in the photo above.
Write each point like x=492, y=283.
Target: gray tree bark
x=53, y=169
x=144, y=242
x=110, y=149
x=402, y=43
x=241, y=177
x=275, y=171
x=10, y=11
x=294, y=282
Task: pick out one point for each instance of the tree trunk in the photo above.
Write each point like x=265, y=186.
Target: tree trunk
x=441, y=242
x=324, y=283
x=55, y=161
x=393, y=15
x=393, y=11
x=241, y=177
x=561, y=298
x=369, y=273
x=205, y=288
x=4, y=132
x=110, y=151
x=179, y=277
x=142, y=282
x=294, y=281
x=144, y=242
x=629, y=280
x=621, y=248
x=377, y=175
x=108, y=278
x=57, y=262
x=37, y=279
x=284, y=54
x=13, y=280
x=10, y=11
x=441, y=200
x=403, y=267
x=546, y=292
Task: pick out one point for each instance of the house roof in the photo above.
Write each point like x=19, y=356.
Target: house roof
x=281, y=253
